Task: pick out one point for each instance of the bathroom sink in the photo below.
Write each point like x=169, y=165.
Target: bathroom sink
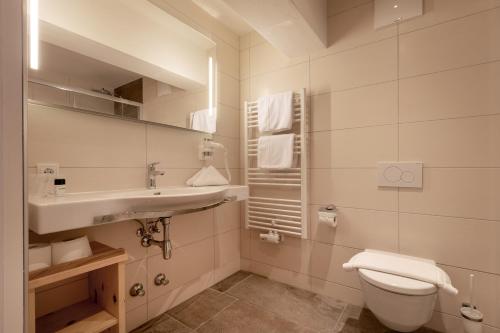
x=86, y=209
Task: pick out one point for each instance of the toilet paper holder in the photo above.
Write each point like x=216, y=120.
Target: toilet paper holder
x=328, y=215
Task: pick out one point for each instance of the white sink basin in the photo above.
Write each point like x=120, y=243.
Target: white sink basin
x=79, y=210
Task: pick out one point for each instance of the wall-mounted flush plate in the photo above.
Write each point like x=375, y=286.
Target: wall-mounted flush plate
x=400, y=174
x=47, y=169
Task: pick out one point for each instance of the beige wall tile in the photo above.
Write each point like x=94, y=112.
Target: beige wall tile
x=161, y=303
x=452, y=241
x=245, y=41
x=135, y=272
x=486, y=293
x=175, y=177
x=228, y=121
x=227, y=248
x=227, y=58
x=366, y=106
x=245, y=239
x=244, y=64
x=468, y=142
x=361, y=66
x=187, y=264
x=326, y=264
x=472, y=193
x=228, y=90
x=292, y=278
x=173, y=148
x=338, y=6
x=355, y=188
x=439, y=11
x=75, y=139
x=358, y=228
x=463, y=92
x=355, y=27
x=357, y=147
x=233, y=152
x=227, y=217
x=467, y=41
x=187, y=229
x=291, y=78
x=266, y=58
x=244, y=94
x=95, y=179
x=292, y=255
x=228, y=269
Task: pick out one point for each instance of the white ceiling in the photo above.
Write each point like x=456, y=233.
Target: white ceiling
x=227, y=16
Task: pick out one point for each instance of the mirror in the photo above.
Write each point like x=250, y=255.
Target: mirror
x=135, y=62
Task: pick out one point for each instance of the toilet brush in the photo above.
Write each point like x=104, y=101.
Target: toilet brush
x=471, y=316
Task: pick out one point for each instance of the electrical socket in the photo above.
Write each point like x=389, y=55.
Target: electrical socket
x=47, y=169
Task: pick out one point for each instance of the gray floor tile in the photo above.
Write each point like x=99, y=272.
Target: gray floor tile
x=243, y=317
x=229, y=282
x=307, y=309
x=201, y=308
x=163, y=324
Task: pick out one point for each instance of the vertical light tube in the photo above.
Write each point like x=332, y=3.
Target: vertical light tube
x=210, y=87
x=34, y=34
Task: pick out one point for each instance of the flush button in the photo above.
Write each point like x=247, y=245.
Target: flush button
x=400, y=174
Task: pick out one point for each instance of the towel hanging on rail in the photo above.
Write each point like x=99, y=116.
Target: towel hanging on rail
x=275, y=112
x=275, y=151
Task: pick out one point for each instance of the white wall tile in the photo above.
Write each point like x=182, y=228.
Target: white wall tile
x=469, y=91
x=452, y=241
x=467, y=41
x=461, y=192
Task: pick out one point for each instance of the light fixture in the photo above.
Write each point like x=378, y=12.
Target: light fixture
x=395, y=6
x=34, y=38
x=210, y=87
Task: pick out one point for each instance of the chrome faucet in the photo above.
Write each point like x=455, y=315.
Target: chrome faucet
x=152, y=173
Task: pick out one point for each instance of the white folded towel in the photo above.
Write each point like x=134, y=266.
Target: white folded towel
x=202, y=120
x=275, y=112
x=207, y=176
x=275, y=151
x=404, y=266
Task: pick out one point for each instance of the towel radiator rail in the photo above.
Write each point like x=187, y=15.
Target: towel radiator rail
x=285, y=208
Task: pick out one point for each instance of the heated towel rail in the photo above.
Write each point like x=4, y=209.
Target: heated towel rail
x=278, y=198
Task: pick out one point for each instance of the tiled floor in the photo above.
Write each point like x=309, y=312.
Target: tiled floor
x=246, y=302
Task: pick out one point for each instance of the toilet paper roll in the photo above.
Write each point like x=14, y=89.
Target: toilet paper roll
x=328, y=218
x=70, y=250
x=39, y=256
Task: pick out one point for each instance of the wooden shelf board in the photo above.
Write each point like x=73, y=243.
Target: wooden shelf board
x=102, y=256
x=85, y=317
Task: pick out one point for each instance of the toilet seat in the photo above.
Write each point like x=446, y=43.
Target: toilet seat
x=397, y=284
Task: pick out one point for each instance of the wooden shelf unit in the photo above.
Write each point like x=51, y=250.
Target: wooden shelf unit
x=104, y=308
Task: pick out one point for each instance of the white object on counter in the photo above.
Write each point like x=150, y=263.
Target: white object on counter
x=70, y=250
x=207, y=176
x=39, y=256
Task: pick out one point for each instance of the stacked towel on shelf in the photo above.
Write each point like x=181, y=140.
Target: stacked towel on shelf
x=275, y=151
x=275, y=112
x=207, y=176
x=202, y=120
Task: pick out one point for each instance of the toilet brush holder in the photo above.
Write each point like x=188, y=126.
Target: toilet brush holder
x=472, y=319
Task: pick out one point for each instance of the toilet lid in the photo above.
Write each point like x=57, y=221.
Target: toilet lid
x=397, y=284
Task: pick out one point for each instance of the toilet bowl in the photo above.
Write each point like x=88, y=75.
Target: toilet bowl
x=400, y=290
x=401, y=304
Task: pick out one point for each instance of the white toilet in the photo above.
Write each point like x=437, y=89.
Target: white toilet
x=401, y=303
